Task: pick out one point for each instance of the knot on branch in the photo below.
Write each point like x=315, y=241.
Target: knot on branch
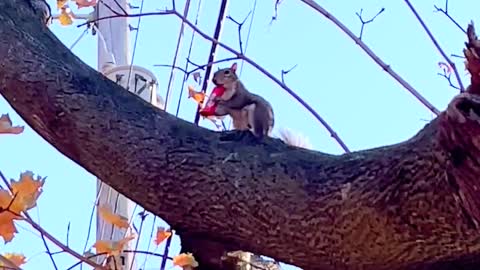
x=459, y=136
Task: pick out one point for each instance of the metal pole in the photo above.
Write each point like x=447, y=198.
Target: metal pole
x=113, y=47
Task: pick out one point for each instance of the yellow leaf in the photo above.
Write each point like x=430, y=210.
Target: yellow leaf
x=16, y=258
x=162, y=234
x=184, y=260
x=65, y=17
x=61, y=3
x=6, y=126
x=112, y=248
x=199, y=97
x=26, y=192
x=108, y=216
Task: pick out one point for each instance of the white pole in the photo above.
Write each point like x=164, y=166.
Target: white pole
x=113, y=47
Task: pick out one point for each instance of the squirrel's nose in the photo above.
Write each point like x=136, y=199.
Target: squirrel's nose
x=214, y=81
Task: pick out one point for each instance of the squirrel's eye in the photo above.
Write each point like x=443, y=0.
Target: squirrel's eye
x=227, y=72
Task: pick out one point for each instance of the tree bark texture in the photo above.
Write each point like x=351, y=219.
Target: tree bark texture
x=413, y=205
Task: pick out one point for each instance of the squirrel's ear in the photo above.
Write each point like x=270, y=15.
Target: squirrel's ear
x=233, y=68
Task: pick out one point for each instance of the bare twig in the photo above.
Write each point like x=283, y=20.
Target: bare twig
x=120, y=7
x=185, y=77
x=50, y=254
x=125, y=251
x=333, y=134
x=450, y=62
x=448, y=77
x=372, y=55
x=275, y=14
x=457, y=56
x=239, y=25
x=68, y=234
x=359, y=15
x=62, y=246
x=143, y=216
x=111, y=9
x=197, y=67
x=177, y=49
x=445, y=12
x=285, y=72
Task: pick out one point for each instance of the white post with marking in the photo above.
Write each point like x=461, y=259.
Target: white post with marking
x=113, y=48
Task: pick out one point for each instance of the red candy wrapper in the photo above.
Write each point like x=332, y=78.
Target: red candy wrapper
x=209, y=108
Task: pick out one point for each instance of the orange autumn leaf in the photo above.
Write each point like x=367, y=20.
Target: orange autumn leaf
x=162, y=234
x=65, y=16
x=199, y=97
x=185, y=260
x=26, y=192
x=6, y=126
x=61, y=3
x=85, y=3
x=7, y=227
x=115, y=219
x=16, y=258
x=112, y=248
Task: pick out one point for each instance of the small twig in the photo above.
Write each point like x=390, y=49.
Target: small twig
x=120, y=7
x=48, y=251
x=275, y=15
x=197, y=67
x=450, y=62
x=62, y=246
x=359, y=15
x=445, y=12
x=171, y=79
x=170, y=66
x=110, y=8
x=372, y=55
x=457, y=56
x=68, y=233
x=448, y=77
x=285, y=72
x=239, y=25
x=143, y=216
x=125, y=251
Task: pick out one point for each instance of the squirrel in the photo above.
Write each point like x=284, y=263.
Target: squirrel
x=249, y=111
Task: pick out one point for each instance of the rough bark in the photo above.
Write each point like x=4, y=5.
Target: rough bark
x=412, y=205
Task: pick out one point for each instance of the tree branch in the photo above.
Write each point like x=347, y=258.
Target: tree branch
x=395, y=207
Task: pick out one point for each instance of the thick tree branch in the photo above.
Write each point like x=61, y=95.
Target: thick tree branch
x=401, y=206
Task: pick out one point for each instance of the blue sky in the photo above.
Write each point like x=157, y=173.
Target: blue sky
x=364, y=105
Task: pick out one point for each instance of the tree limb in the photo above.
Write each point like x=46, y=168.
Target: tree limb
x=396, y=207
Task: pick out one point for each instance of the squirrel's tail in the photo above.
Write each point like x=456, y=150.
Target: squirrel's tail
x=294, y=139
